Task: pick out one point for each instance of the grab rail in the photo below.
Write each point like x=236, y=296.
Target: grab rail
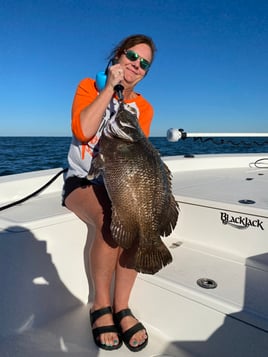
x=174, y=135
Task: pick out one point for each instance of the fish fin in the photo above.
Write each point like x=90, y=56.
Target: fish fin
x=123, y=233
x=150, y=259
x=170, y=218
x=96, y=167
x=170, y=209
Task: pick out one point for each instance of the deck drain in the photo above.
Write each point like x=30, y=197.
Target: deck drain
x=175, y=244
x=207, y=283
x=247, y=202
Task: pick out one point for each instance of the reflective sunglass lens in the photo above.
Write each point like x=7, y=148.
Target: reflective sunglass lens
x=144, y=64
x=133, y=56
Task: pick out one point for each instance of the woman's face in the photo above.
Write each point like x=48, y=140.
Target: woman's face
x=133, y=73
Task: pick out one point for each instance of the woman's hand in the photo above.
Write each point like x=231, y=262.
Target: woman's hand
x=115, y=75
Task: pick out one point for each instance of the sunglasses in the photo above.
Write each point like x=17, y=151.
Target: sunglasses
x=133, y=56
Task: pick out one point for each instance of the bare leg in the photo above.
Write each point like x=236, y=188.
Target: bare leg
x=124, y=281
x=92, y=205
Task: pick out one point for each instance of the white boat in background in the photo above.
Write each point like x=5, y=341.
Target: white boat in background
x=210, y=301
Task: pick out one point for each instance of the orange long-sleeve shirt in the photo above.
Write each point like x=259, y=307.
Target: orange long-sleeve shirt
x=81, y=149
x=87, y=92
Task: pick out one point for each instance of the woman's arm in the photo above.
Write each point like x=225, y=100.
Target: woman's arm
x=86, y=118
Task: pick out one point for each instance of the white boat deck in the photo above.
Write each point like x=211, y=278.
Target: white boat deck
x=44, y=286
x=220, y=183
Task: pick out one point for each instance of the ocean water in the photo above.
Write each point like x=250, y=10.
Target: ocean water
x=24, y=154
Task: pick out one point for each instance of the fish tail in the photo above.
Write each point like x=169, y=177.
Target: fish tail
x=150, y=259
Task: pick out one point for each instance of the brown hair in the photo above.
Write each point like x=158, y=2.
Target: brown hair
x=131, y=41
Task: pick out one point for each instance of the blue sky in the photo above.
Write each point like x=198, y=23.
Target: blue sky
x=210, y=72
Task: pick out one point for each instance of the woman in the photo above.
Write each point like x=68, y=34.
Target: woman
x=112, y=321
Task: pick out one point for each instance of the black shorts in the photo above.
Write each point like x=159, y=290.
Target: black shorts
x=71, y=183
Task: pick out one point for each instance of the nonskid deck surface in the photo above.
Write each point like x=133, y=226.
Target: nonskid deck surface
x=70, y=335
x=225, y=186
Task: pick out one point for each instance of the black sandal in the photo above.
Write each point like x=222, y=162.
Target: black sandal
x=97, y=331
x=127, y=335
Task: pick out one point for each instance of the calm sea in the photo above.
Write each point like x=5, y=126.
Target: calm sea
x=23, y=154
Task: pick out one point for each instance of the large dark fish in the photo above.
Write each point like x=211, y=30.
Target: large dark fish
x=139, y=185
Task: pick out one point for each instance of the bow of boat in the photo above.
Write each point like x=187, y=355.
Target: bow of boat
x=211, y=301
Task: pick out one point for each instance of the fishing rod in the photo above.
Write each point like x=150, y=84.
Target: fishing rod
x=174, y=135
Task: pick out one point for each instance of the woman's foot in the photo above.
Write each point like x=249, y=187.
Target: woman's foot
x=133, y=332
x=103, y=329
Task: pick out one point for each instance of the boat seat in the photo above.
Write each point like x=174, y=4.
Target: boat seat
x=239, y=290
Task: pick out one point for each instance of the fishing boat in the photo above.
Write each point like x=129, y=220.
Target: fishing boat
x=210, y=301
